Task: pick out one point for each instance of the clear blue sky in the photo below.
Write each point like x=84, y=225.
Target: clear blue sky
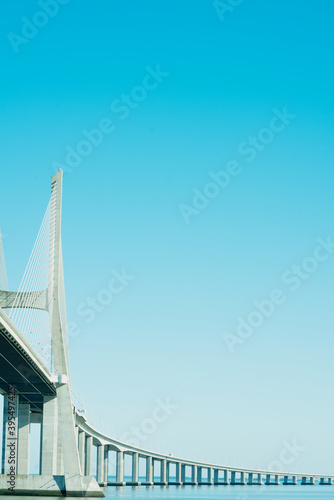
x=163, y=336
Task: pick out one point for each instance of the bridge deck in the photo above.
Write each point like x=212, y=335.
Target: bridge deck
x=21, y=367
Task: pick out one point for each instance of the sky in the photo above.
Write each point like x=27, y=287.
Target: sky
x=196, y=144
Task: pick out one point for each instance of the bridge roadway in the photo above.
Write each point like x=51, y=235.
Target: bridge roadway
x=215, y=474
x=21, y=367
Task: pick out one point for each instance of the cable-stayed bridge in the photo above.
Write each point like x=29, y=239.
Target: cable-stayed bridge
x=35, y=382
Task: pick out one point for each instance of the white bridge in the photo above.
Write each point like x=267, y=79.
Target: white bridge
x=35, y=382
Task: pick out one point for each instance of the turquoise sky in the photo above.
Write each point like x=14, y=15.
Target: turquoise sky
x=183, y=92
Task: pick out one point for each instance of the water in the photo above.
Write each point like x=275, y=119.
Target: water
x=222, y=492
x=211, y=493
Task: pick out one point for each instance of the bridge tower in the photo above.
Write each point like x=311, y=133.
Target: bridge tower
x=59, y=458
x=59, y=437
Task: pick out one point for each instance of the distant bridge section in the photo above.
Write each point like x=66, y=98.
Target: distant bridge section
x=172, y=470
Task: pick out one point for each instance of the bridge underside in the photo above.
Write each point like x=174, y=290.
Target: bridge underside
x=19, y=370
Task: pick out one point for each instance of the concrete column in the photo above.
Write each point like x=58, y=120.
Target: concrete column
x=242, y=478
x=120, y=468
x=163, y=472
x=82, y=450
x=286, y=480
x=89, y=456
x=216, y=476
x=268, y=479
x=250, y=478
x=106, y=464
x=168, y=472
x=259, y=479
x=304, y=480
x=226, y=478
x=135, y=468
x=10, y=433
x=294, y=480
x=100, y=464
x=49, y=437
x=183, y=473
x=149, y=471
x=24, y=439
x=233, y=477
x=60, y=461
x=193, y=474
x=210, y=475
x=312, y=480
x=178, y=479
x=277, y=480
x=199, y=475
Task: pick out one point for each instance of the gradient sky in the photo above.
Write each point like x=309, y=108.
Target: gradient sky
x=163, y=336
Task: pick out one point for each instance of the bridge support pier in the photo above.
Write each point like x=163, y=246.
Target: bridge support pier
x=120, y=468
x=135, y=469
x=310, y=480
x=178, y=479
x=183, y=474
x=251, y=478
x=199, y=475
x=329, y=481
x=100, y=465
x=149, y=471
x=82, y=450
x=233, y=478
x=226, y=477
x=293, y=481
x=106, y=464
x=23, y=439
x=163, y=472
x=89, y=456
x=49, y=437
x=268, y=480
x=193, y=475
x=216, y=476
x=210, y=475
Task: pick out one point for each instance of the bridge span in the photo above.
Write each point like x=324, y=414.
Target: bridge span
x=185, y=471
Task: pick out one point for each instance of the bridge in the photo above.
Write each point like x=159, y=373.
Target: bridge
x=35, y=382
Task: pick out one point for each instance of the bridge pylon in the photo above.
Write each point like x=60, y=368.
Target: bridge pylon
x=61, y=471
x=60, y=438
